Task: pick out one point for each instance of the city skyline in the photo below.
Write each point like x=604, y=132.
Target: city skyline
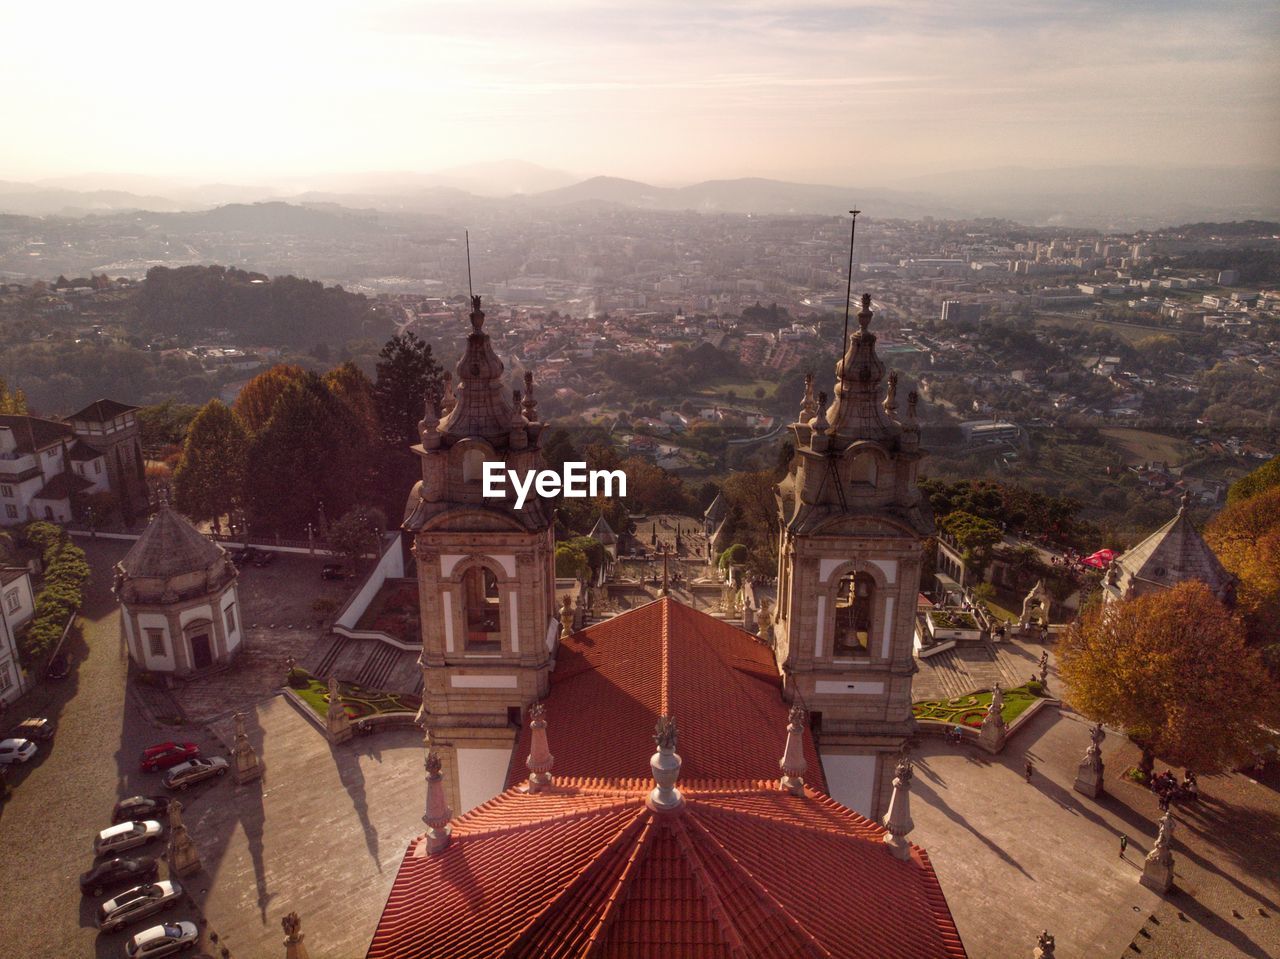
x=850, y=93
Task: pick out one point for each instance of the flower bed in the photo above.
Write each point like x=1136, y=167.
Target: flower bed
x=358, y=701
x=950, y=619
x=971, y=710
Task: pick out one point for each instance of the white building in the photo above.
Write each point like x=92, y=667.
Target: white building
x=17, y=606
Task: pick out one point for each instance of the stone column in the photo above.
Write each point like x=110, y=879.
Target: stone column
x=337, y=723
x=293, y=947
x=1157, y=871
x=183, y=857
x=991, y=737
x=1089, y=773
x=248, y=765
x=898, y=819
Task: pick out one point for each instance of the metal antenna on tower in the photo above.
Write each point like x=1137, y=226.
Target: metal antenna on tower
x=848, y=290
x=471, y=293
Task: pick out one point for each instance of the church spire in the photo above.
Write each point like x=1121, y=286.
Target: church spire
x=482, y=409
x=856, y=414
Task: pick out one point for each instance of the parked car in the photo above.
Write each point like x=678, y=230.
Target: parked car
x=166, y=940
x=137, y=903
x=243, y=555
x=125, y=835
x=112, y=872
x=34, y=728
x=197, y=770
x=167, y=754
x=16, y=751
x=140, y=807
x=264, y=558
x=333, y=571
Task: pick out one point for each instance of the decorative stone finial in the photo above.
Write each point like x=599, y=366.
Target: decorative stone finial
x=865, y=314
x=540, y=759
x=913, y=399
x=438, y=812
x=991, y=736
x=898, y=820
x=477, y=314
x=665, y=765
x=793, y=763
x=566, y=615
x=248, y=766
x=1044, y=946
x=808, y=408
x=183, y=857
x=429, y=426
x=337, y=722
x=293, y=947
x=1089, y=773
x=450, y=398
x=530, y=404
x=891, y=395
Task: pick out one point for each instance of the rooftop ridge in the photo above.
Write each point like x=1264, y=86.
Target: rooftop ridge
x=812, y=945
x=665, y=701
x=714, y=903
x=639, y=852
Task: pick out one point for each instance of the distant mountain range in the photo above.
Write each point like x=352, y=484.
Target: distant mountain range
x=1101, y=197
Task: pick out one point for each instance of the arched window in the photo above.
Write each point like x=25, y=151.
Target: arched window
x=481, y=608
x=855, y=599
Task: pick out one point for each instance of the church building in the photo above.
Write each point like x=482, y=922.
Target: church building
x=665, y=777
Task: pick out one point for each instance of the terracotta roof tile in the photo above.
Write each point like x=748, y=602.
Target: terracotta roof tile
x=614, y=679
x=740, y=871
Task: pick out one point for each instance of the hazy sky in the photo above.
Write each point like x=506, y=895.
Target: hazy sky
x=847, y=92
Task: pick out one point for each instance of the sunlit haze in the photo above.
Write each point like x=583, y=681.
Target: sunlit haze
x=669, y=92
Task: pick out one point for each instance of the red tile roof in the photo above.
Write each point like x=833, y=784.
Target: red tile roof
x=613, y=680
x=31, y=433
x=741, y=870
x=101, y=411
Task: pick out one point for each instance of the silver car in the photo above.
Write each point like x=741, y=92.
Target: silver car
x=124, y=836
x=164, y=940
x=193, y=771
x=16, y=751
x=137, y=903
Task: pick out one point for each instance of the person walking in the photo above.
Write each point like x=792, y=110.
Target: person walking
x=1029, y=769
x=1124, y=844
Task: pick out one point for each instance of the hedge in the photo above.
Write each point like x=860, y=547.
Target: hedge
x=61, y=593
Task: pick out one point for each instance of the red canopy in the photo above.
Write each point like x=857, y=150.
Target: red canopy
x=1101, y=559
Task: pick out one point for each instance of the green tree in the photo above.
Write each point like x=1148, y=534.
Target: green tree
x=407, y=372
x=571, y=562
x=975, y=536
x=1171, y=669
x=165, y=424
x=356, y=532
x=210, y=477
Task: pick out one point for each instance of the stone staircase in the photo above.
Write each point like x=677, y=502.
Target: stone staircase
x=969, y=667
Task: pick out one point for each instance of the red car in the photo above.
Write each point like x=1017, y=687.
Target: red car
x=167, y=754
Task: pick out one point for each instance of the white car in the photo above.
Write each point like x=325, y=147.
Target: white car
x=16, y=751
x=137, y=903
x=124, y=836
x=163, y=940
x=193, y=771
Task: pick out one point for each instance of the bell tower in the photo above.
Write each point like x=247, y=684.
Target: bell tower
x=486, y=576
x=852, y=529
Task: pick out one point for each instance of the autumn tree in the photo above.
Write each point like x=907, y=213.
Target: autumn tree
x=1173, y=670
x=1246, y=539
x=12, y=402
x=210, y=477
x=1265, y=477
x=257, y=400
x=354, y=390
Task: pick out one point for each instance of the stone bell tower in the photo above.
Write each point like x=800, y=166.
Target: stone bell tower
x=852, y=530
x=486, y=576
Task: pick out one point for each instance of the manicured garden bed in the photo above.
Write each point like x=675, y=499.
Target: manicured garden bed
x=359, y=702
x=970, y=710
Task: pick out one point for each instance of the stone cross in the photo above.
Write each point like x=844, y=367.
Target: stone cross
x=184, y=859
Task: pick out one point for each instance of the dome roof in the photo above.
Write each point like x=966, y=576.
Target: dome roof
x=170, y=546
